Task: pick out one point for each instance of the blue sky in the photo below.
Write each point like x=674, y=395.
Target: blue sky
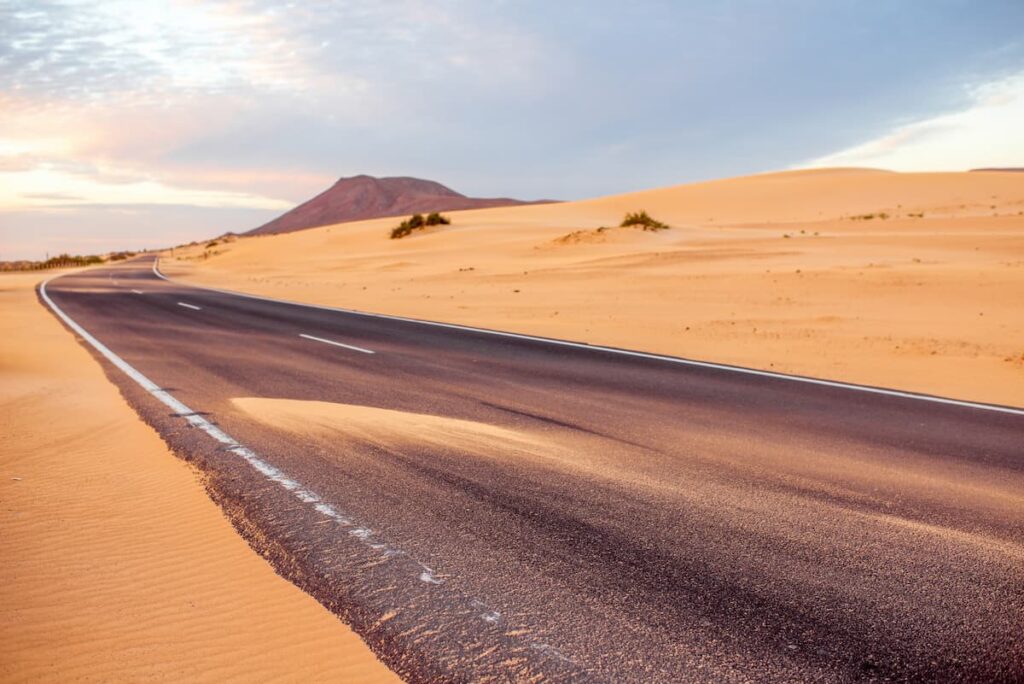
x=132, y=124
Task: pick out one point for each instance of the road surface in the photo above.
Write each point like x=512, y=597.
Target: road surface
x=483, y=507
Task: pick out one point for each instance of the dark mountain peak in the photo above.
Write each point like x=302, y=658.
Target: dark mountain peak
x=394, y=185
x=361, y=197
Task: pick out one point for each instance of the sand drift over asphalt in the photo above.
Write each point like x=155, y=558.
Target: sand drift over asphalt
x=861, y=478
x=384, y=428
x=346, y=427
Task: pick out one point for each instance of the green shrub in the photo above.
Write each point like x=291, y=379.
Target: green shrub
x=60, y=261
x=65, y=260
x=643, y=220
x=401, y=230
x=417, y=222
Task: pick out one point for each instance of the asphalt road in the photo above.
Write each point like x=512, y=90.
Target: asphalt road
x=492, y=508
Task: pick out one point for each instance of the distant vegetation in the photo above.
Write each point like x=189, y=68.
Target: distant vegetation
x=643, y=220
x=867, y=217
x=64, y=261
x=417, y=222
x=59, y=261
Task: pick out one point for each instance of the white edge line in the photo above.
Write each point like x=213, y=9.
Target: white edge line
x=137, y=291
x=337, y=344
x=624, y=352
x=232, y=445
x=189, y=306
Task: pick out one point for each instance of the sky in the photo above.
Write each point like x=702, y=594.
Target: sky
x=129, y=124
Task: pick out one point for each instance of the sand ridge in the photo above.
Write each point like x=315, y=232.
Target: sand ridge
x=383, y=427
x=901, y=280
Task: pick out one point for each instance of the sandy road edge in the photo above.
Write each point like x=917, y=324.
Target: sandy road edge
x=117, y=566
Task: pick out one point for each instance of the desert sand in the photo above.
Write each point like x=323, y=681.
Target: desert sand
x=912, y=281
x=116, y=565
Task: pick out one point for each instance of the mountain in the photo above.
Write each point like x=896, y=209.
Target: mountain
x=366, y=197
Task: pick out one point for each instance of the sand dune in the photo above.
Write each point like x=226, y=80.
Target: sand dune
x=893, y=279
x=116, y=566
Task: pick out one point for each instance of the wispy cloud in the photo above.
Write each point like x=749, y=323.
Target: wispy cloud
x=94, y=95
x=85, y=51
x=44, y=186
x=985, y=132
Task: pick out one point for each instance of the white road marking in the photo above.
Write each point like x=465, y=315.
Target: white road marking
x=337, y=344
x=137, y=291
x=189, y=306
x=625, y=352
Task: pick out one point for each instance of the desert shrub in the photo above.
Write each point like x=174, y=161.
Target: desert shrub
x=401, y=230
x=68, y=260
x=417, y=222
x=63, y=261
x=642, y=219
x=212, y=243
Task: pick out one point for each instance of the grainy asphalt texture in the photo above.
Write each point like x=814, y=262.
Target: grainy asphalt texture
x=647, y=522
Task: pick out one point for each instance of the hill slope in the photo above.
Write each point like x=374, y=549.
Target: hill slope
x=366, y=197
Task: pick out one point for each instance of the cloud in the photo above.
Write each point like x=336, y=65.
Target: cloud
x=985, y=133
x=93, y=229
x=44, y=186
x=261, y=103
x=88, y=50
x=52, y=196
